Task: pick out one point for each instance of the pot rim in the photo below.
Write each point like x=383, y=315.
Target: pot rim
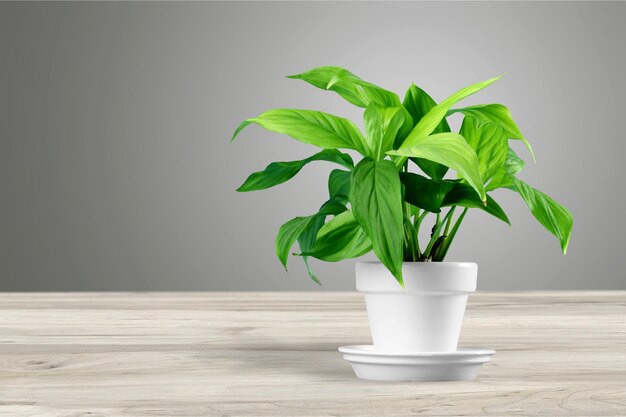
x=419, y=278
x=449, y=263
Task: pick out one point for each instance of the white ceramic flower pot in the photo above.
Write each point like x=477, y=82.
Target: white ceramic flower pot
x=426, y=315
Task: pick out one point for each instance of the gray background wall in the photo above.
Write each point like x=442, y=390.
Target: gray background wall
x=115, y=167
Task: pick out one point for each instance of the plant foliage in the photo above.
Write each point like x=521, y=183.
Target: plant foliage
x=407, y=149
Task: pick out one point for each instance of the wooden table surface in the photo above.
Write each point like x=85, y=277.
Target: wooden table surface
x=275, y=354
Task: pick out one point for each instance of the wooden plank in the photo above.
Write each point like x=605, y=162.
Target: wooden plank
x=274, y=354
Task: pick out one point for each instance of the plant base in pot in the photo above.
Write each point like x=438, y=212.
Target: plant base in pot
x=416, y=329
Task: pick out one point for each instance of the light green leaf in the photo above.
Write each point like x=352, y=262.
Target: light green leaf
x=497, y=114
x=425, y=193
x=381, y=127
x=293, y=229
x=376, y=199
x=339, y=183
x=352, y=88
x=418, y=103
x=431, y=120
x=279, y=172
x=313, y=127
x=512, y=165
x=463, y=195
x=341, y=238
x=489, y=142
x=451, y=150
x=553, y=216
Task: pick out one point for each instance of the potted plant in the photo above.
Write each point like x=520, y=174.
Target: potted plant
x=401, y=185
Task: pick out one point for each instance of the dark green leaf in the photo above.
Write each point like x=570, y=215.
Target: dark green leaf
x=349, y=86
x=306, y=241
x=418, y=103
x=294, y=228
x=425, y=193
x=376, y=199
x=341, y=238
x=312, y=127
x=497, y=114
x=489, y=142
x=463, y=195
x=451, y=150
x=339, y=183
x=279, y=172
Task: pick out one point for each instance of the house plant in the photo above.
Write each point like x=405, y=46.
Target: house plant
x=415, y=300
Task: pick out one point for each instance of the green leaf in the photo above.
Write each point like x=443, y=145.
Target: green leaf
x=279, y=172
x=349, y=86
x=431, y=120
x=418, y=103
x=497, y=114
x=306, y=241
x=512, y=165
x=463, y=195
x=341, y=238
x=312, y=127
x=381, y=127
x=376, y=199
x=425, y=193
x=490, y=143
x=339, y=183
x=553, y=216
x=288, y=234
x=451, y=150
x=294, y=228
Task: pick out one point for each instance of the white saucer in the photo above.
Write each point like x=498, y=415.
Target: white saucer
x=461, y=365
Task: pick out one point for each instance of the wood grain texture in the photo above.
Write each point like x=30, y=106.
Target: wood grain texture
x=274, y=354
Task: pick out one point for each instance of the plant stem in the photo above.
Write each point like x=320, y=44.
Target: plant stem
x=446, y=244
x=447, y=229
x=436, y=233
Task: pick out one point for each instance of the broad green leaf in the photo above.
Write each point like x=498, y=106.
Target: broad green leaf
x=463, y=195
x=288, y=234
x=418, y=103
x=451, y=150
x=293, y=229
x=431, y=120
x=381, y=127
x=313, y=127
x=376, y=199
x=352, y=88
x=279, y=172
x=512, y=165
x=489, y=142
x=339, y=183
x=425, y=193
x=553, y=216
x=341, y=238
x=497, y=114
